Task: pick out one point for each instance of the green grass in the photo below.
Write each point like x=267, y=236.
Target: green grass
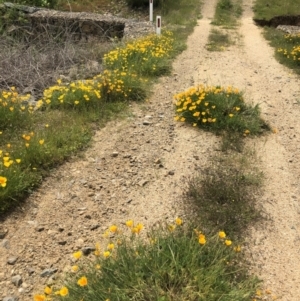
x=226, y=17
x=225, y=193
x=287, y=47
x=219, y=110
x=227, y=13
x=175, y=263
x=266, y=10
x=218, y=40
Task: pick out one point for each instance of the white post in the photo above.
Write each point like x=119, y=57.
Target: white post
x=158, y=24
x=151, y=10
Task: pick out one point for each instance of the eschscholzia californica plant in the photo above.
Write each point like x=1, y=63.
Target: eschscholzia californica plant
x=217, y=109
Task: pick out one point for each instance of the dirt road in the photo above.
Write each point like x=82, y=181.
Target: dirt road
x=136, y=169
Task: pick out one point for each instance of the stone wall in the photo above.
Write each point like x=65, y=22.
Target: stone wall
x=78, y=25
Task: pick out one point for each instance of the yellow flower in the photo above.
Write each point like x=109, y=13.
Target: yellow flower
x=230, y=115
x=64, y=291
x=113, y=228
x=8, y=145
x=106, y=254
x=48, y=290
x=178, y=221
x=74, y=268
x=82, y=281
x=7, y=163
x=97, y=251
x=46, y=125
x=27, y=144
x=196, y=114
x=204, y=120
x=237, y=108
x=237, y=249
x=138, y=228
x=98, y=266
x=222, y=234
x=182, y=119
x=77, y=255
x=41, y=142
x=129, y=223
x=110, y=246
x=26, y=137
x=176, y=118
x=247, y=132
x=171, y=228
x=18, y=160
x=76, y=102
x=202, y=240
x=228, y=242
x=39, y=298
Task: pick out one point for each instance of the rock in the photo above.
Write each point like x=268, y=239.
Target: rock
x=2, y=234
x=30, y=271
x=48, y=272
x=88, y=250
x=115, y=154
x=143, y=183
x=146, y=122
x=16, y=280
x=40, y=228
x=5, y=244
x=171, y=172
x=12, y=260
x=95, y=226
x=62, y=242
x=11, y=298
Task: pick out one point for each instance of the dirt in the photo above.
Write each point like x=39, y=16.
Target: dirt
x=136, y=168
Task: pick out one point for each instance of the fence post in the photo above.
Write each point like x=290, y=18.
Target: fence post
x=158, y=25
x=151, y=10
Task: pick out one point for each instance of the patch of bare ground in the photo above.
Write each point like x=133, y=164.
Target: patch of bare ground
x=136, y=169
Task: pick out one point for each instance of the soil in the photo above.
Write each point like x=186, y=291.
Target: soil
x=136, y=169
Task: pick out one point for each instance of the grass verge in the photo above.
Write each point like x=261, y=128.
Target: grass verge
x=287, y=46
x=175, y=262
x=265, y=10
x=226, y=17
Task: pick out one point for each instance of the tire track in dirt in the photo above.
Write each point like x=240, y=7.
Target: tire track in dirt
x=273, y=246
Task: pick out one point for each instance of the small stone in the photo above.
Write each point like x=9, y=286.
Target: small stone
x=115, y=154
x=40, y=228
x=5, y=244
x=11, y=298
x=146, y=122
x=30, y=271
x=21, y=290
x=171, y=172
x=62, y=242
x=12, y=260
x=143, y=183
x=88, y=250
x=94, y=227
x=2, y=234
x=16, y=280
x=48, y=272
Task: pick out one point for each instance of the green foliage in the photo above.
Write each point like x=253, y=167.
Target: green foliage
x=38, y=3
x=151, y=54
x=287, y=47
x=227, y=12
x=227, y=190
x=183, y=264
x=218, y=109
x=142, y=3
x=218, y=40
x=266, y=10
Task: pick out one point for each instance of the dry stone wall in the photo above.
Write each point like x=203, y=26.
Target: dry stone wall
x=79, y=25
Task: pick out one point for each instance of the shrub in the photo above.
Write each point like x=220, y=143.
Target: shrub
x=218, y=109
